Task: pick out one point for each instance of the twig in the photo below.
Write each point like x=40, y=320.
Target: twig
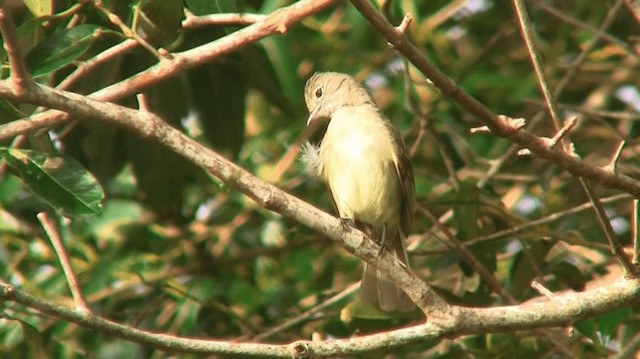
x=613, y=165
x=404, y=25
x=143, y=102
x=20, y=77
x=635, y=232
x=616, y=247
x=309, y=313
x=634, y=8
x=546, y=220
x=632, y=348
x=575, y=64
x=622, y=116
x=50, y=228
x=194, y=22
x=600, y=34
x=453, y=243
x=103, y=57
x=551, y=296
x=128, y=32
x=568, y=126
x=542, y=290
x=527, y=36
x=479, y=130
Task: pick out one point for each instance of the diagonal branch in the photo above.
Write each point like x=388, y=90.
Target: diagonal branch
x=277, y=22
x=52, y=232
x=148, y=125
x=522, y=137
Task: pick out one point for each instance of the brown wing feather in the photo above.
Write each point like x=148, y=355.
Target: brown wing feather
x=404, y=170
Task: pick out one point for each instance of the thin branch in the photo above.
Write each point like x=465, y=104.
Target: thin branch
x=128, y=32
x=526, y=29
x=20, y=77
x=616, y=247
x=103, y=57
x=634, y=8
x=542, y=290
x=635, y=232
x=194, y=22
x=575, y=64
x=522, y=137
x=613, y=164
x=546, y=220
x=622, y=116
x=568, y=126
x=600, y=34
x=632, y=348
x=309, y=313
x=453, y=243
x=50, y=228
x=277, y=22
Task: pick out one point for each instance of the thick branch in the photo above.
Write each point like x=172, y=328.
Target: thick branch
x=562, y=309
x=148, y=125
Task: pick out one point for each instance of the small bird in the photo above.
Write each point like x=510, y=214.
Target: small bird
x=365, y=165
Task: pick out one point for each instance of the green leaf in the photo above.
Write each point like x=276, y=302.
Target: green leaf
x=161, y=20
x=258, y=67
x=466, y=210
x=58, y=179
x=609, y=322
x=61, y=48
x=523, y=271
x=570, y=275
x=39, y=7
x=206, y=7
x=588, y=328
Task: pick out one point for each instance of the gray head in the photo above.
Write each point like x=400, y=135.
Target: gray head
x=327, y=92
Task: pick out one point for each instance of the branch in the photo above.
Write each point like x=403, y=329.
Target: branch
x=20, y=77
x=148, y=125
x=194, y=22
x=277, y=22
x=309, y=313
x=52, y=232
x=557, y=311
x=522, y=137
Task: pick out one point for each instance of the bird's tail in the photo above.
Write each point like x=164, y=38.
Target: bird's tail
x=377, y=288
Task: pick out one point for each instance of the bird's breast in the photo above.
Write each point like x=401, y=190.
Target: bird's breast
x=358, y=158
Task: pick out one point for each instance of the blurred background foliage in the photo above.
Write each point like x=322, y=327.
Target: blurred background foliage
x=176, y=251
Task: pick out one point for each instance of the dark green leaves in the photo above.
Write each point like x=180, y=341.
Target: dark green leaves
x=161, y=19
x=58, y=179
x=62, y=48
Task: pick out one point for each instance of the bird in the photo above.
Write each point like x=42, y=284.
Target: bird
x=365, y=165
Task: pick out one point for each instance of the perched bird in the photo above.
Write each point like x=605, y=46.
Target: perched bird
x=364, y=163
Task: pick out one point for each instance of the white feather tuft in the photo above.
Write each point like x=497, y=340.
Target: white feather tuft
x=310, y=156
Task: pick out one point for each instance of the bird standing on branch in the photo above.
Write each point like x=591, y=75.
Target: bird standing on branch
x=364, y=162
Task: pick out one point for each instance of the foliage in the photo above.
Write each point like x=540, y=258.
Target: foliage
x=175, y=251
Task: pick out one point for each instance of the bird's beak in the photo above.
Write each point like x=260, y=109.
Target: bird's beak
x=312, y=115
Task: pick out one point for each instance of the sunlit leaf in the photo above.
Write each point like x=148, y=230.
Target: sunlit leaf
x=39, y=7
x=58, y=179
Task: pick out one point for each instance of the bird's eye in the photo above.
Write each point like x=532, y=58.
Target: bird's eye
x=319, y=92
